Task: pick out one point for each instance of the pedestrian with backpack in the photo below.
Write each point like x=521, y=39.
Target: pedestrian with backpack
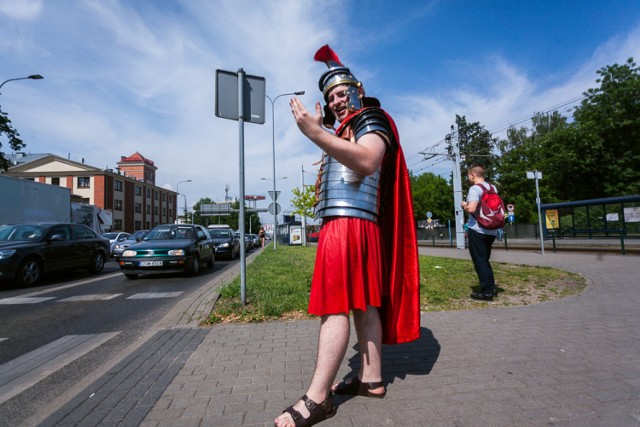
x=486, y=217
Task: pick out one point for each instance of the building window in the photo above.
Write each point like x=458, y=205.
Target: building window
x=138, y=190
x=164, y=211
x=148, y=209
x=117, y=224
x=55, y=181
x=138, y=208
x=138, y=225
x=117, y=185
x=148, y=225
x=155, y=195
x=164, y=197
x=117, y=205
x=155, y=210
x=148, y=193
x=84, y=182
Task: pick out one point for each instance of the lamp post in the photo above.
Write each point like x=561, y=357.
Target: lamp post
x=273, y=144
x=31, y=77
x=185, y=198
x=275, y=210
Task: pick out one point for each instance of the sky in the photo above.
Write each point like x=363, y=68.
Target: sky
x=140, y=75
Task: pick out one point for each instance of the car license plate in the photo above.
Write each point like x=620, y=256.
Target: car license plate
x=150, y=263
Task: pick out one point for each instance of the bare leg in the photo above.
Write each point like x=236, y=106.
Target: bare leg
x=369, y=330
x=332, y=346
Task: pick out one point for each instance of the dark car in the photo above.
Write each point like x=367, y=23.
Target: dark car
x=118, y=247
x=227, y=245
x=169, y=248
x=27, y=251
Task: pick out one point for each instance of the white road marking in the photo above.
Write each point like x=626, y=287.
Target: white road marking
x=23, y=372
x=2, y=339
x=150, y=295
x=96, y=297
x=23, y=300
x=71, y=285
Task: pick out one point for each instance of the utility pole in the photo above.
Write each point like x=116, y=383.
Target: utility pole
x=454, y=138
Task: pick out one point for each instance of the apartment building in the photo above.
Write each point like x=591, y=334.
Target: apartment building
x=129, y=192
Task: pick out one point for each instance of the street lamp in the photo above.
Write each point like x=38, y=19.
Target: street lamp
x=273, y=143
x=31, y=77
x=185, y=198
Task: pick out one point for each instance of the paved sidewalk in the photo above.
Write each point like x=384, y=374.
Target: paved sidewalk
x=572, y=362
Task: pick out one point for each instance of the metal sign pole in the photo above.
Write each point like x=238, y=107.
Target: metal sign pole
x=243, y=265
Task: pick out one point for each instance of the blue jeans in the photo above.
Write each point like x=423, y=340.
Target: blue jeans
x=480, y=251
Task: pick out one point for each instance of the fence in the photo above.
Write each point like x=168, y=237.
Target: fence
x=527, y=236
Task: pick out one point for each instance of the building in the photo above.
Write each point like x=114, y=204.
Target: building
x=130, y=192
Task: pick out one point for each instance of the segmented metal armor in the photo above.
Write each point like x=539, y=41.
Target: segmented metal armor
x=343, y=192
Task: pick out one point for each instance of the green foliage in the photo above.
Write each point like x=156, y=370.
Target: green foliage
x=13, y=138
x=304, y=200
x=432, y=193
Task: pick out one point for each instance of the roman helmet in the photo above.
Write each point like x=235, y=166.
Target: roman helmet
x=338, y=74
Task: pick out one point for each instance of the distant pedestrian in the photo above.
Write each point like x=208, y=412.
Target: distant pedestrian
x=262, y=236
x=480, y=238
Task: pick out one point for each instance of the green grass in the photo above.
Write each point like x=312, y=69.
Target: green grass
x=278, y=284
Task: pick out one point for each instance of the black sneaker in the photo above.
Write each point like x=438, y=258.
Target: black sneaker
x=484, y=296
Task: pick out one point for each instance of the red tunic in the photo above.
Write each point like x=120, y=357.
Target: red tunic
x=362, y=263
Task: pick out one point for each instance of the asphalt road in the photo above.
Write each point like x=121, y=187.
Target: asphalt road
x=67, y=331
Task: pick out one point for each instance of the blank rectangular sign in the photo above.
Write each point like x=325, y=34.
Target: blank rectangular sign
x=227, y=97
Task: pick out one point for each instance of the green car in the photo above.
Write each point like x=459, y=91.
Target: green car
x=169, y=248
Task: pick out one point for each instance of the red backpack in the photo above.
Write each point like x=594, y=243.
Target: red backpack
x=490, y=211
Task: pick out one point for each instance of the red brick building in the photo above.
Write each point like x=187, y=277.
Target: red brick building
x=130, y=192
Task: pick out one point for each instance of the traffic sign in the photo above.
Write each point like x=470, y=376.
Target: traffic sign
x=429, y=214
x=274, y=208
x=277, y=195
x=510, y=207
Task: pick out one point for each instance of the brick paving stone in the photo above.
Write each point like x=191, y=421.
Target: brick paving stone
x=571, y=362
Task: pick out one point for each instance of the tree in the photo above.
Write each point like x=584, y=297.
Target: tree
x=13, y=137
x=432, y=193
x=304, y=200
x=519, y=153
x=476, y=146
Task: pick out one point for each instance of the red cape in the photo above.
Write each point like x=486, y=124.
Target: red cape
x=400, y=312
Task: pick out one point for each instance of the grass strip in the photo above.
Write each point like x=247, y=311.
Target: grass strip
x=278, y=284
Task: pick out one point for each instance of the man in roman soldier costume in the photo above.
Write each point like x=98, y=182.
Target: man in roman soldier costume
x=367, y=258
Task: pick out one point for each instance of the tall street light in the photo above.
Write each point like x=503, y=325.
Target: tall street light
x=185, y=198
x=273, y=143
x=31, y=77
x=275, y=210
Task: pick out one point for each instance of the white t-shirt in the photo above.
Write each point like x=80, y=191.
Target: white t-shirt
x=475, y=192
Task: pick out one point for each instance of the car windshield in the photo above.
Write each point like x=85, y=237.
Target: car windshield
x=110, y=236
x=220, y=234
x=172, y=232
x=21, y=233
x=137, y=235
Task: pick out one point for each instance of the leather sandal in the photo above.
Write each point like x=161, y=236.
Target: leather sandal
x=357, y=388
x=317, y=411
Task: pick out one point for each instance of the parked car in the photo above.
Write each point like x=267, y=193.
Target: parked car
x=119, y=247
x=255, y=241
x=115, y=236
x=27, y=251
x=169, y=248
x=227, y=245
x=248, y=245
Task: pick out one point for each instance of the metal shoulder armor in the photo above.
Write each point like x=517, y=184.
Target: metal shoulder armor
x=372, y=120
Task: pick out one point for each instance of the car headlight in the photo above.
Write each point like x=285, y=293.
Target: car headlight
x=129, y=253
x=7, y=253
x=176, y=252
x=223, y=245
